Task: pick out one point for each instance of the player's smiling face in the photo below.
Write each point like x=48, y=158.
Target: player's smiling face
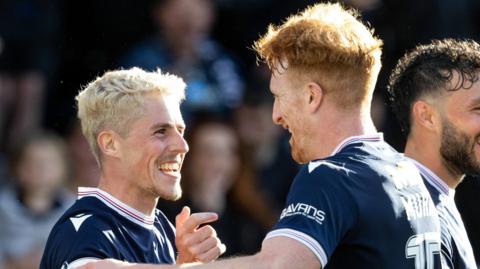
x=460, y=144
x=155, y=148
x=288, y=111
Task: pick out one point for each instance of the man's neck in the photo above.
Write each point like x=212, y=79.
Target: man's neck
x=342, y=127
x=430, y=157
x=130, y=195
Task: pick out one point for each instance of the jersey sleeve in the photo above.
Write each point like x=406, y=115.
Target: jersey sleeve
x=74, y=240
x=319, y=210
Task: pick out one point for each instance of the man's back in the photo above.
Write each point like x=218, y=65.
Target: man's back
x=99, y=226
x=364, y=207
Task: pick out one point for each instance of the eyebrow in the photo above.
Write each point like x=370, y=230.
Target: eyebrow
x=167, y=125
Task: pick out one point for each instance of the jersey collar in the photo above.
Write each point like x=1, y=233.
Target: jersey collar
x=356, y=139
x=433, y=179
x=121, y=208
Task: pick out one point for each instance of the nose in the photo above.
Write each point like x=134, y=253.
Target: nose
x=276, y=115
x=180, y=144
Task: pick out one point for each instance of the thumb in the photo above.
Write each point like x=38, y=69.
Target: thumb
x=182, y=217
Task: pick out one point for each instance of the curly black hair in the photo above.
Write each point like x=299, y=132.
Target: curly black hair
x=428, y=69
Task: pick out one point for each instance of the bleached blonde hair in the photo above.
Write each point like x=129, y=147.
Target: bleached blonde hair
x=115, y=100
x=330, y=44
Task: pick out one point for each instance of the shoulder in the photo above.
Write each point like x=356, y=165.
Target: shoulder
x=8, y=199
x=83, y=222
x=334, y=166
x=212, y=50
x=323, y=182
x=80, y=226
x=321, y=174
x=80, y=232
x=435, y=194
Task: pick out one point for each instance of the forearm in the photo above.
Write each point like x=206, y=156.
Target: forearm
x=251, y=262
x=295, y=256
x=241, y=262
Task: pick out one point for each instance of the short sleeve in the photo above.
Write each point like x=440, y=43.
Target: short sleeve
x=319, y=211
x=70, y=242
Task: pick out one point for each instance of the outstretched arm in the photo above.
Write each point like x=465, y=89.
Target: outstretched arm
x=276, y=253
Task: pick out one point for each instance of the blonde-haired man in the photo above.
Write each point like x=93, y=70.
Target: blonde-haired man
x=132, y=121
x=357, y=203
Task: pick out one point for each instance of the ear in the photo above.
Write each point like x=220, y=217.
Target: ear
x=314, y=95
x=108, y=143
x=425, y=115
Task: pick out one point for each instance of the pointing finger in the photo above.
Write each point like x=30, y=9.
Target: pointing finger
x=196, y=220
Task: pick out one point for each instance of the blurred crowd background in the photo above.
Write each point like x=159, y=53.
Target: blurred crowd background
x=239, y=163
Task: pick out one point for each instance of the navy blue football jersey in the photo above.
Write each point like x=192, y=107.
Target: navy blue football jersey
x=100, y=226
x=456, y=249
x=365, y=206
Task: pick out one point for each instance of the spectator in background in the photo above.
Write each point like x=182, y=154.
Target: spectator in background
x=85, y=170
x=3, y=171
x=265, y=147
x=35, y=199
x=215, y=179
x=183, y=46
x=28, y=29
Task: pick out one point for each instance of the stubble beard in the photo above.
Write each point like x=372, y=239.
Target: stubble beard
x=172, y=195
x=458, y=151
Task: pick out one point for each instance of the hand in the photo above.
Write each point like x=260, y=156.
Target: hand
x=196, y=245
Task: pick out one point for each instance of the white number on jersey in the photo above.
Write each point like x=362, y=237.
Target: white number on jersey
x=422, y=248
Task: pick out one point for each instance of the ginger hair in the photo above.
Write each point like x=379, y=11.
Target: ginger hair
x=331, y=46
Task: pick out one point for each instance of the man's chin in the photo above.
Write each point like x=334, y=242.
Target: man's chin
x=298, y=158
x=176, y=196
x=173, y=196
